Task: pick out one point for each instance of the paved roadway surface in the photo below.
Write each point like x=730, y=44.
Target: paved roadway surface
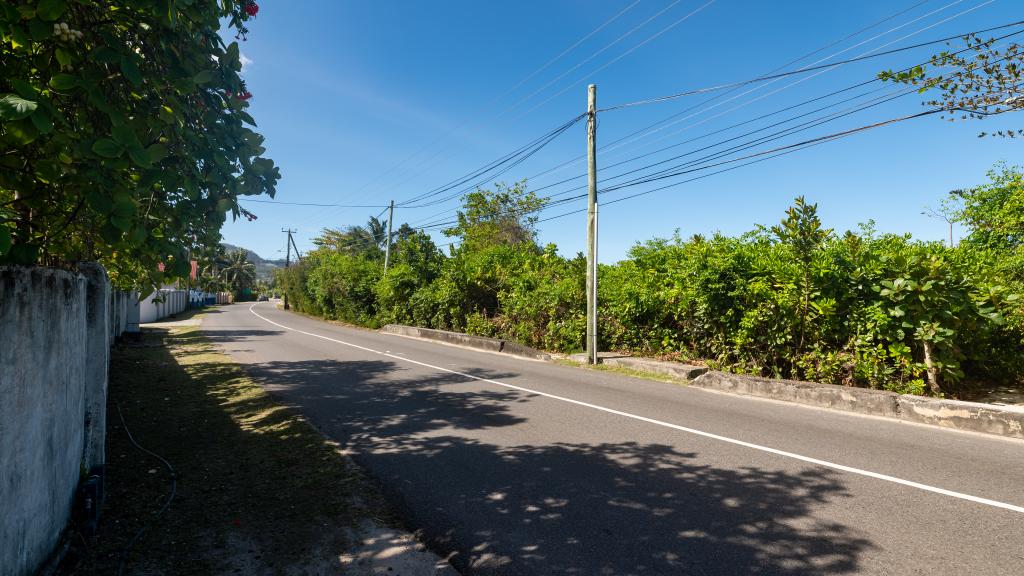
x=514, y=467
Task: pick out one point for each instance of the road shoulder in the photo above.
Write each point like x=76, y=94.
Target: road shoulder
x=259, y=490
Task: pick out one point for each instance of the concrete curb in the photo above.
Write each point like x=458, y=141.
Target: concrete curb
x=1007, y=421
x=676, y=369
x=470, y=341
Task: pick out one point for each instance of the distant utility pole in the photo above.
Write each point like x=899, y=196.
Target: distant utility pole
x=592, y=224
x=387, y=245
x=288, y=256
x=298, y=256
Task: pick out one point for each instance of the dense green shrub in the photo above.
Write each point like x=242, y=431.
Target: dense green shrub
x=795, y=300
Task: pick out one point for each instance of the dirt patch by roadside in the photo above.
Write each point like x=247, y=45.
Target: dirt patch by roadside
x=259, y=490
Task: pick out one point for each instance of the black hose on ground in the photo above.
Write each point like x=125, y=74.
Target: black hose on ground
x=174, y=488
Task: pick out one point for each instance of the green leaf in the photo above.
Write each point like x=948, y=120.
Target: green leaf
x=50, y=10
x=124, y=206
x=5, y=239
x=99, y=201
x=124, y=135
x=24, y=89
x=15, y=108
x=48, y=170
x=122, y=223
x=139, y=156
x=39, y=30
x=156, y=152
x=203, y=77
x=23, y=131
x=63, y=82
x=41, y=120
x=63, y=58
x=26, y=254
x=104, y=55
x=138, y=234
x=110, y=233
x=18, y=38
x=166, y=114
x=107, y=148
x=131, y=71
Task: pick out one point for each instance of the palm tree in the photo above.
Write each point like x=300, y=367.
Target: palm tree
x=356, y=240
x=378, y=231
x=239, y=272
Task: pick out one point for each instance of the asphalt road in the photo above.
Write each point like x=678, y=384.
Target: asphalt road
x=512, y=466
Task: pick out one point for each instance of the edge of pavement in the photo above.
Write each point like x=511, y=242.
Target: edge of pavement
x=459, y=339
x=992, y=419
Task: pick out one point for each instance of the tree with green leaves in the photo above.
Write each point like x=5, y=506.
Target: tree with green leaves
x=124, y=132
x=979, y=80
x=506, y=215
x=368, y=240
x=802, y=232
x=239, y=273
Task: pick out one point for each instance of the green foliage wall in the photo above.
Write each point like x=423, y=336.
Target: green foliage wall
x=796, y=300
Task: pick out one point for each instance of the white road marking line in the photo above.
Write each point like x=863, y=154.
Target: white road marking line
x=751, y=445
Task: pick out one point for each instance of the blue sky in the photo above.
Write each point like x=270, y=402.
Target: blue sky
x=365, y=102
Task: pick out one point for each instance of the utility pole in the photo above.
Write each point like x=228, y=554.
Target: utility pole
x=298, y=257
x=288, y=257
x=592, y=224
x=387, y=245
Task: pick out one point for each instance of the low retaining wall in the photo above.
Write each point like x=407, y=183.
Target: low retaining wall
x=973, y=416
x=675, y=369
x=54, y=333
x=478, y=342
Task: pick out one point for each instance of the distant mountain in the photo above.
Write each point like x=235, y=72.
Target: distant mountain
x=264, y=268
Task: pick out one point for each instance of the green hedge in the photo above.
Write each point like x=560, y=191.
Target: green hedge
x=794, y=301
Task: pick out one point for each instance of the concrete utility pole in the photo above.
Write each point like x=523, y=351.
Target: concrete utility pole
x=288, y=257
x=592, y=224
x=387, y=246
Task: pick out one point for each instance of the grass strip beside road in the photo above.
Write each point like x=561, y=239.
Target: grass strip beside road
x=260, y=491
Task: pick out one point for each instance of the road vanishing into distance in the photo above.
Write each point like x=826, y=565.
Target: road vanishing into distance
x=511, y=466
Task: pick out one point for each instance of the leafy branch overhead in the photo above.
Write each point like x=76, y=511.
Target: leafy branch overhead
x=976, y=81
x=124, y=131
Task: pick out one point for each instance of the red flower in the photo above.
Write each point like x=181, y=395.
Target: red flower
x=251, y=9
x=245, y=95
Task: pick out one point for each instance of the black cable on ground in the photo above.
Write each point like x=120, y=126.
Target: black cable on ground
x=174, y=488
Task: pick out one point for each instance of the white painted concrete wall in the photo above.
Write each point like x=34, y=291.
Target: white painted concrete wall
x=44, y=367
x=55, y=332
x=161, y=304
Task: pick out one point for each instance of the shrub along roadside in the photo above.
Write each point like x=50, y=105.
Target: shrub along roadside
x=795, y=300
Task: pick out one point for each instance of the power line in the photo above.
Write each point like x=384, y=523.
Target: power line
x=505, y=164
x=571, y=48
x=314, y=204
x=802, y=70
x=827, y=69
x=784, y=132
x=594, y=55
x=621, y=56
x=651, y=128
x=548, y=64
x=504, y=161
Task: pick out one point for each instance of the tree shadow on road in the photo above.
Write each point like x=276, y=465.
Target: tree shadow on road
x=564, y=508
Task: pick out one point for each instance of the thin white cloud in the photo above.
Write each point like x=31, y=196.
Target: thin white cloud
x=245, y=60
